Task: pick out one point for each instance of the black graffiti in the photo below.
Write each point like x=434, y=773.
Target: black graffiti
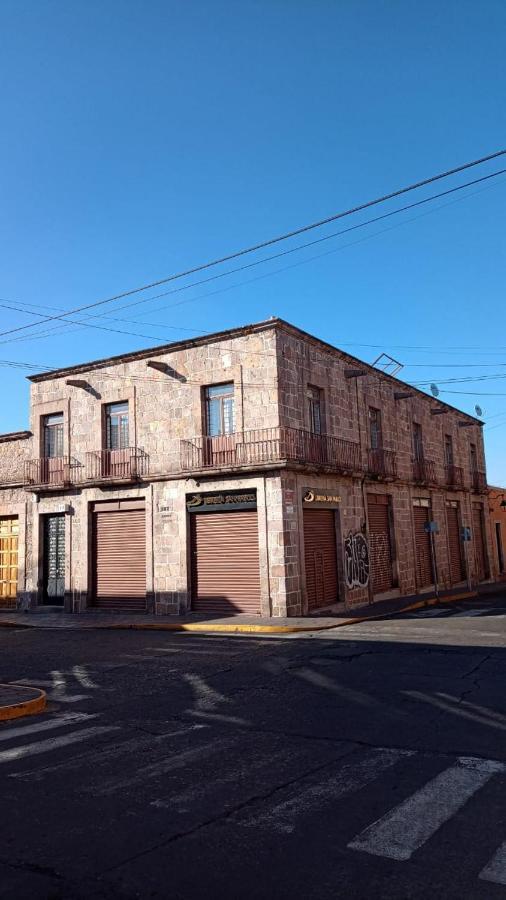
x=356, y=560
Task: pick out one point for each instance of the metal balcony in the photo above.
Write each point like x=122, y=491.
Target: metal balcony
x=382, y=463
x=424, y=471
x=454, y=477
x=270, y=445
x=52, y=473
x=479, y=482
x=128, y=464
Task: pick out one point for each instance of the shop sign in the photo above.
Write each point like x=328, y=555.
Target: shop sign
x=220, y=501
x=316, y=497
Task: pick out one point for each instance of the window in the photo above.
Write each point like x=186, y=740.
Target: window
x=116, y=426
x=417, y=442
x=474, y=459
x=314, y=395
x=448, y=450
x=375, y=428
x=52, y=436
x=219, y=409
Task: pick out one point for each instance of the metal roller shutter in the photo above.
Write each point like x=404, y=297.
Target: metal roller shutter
x=380, y=544
x=225, y=563
x=120, y=558
x=424, y=574
x=479, y=543
x=9, y=529
x=320, y=558
x=457, y=572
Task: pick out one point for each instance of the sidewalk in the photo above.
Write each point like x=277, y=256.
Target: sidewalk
x=240, y=624
x=17, y=701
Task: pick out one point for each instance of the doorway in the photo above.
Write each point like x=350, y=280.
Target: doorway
x=53, y=592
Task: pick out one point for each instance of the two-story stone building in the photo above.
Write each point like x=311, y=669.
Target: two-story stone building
x=257, y=470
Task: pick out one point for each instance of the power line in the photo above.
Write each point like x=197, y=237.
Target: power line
x=271, y=241
x=80, y=323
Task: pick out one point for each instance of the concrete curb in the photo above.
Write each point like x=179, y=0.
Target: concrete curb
x=241, y=628
x=26, y=708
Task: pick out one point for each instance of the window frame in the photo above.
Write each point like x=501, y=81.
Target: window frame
x=220, y=400
x=53, y=436
x=315, y=401
x=376, y=419
x=114, y=414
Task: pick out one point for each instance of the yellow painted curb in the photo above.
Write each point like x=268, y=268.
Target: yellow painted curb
x=239, y=628
x=25, y=708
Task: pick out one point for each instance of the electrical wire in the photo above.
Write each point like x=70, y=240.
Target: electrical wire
x=263, y=244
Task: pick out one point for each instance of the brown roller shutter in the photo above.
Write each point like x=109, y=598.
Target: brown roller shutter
x=380, y=543
x=479, y=543
x=320, y=557
x=9, y=530
x=424, y=574
x=225, y=563
x=457, y=572
x=120, y=557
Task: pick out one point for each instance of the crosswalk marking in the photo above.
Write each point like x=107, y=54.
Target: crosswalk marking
x=349, y=779
x=406, y=827
x=54, y=743
x=46, y=725
x=495, y=870
x=154, y=770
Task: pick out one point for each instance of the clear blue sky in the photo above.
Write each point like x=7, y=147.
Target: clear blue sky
x=139, y=138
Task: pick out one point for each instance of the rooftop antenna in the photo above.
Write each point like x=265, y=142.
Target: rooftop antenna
x=388, y=364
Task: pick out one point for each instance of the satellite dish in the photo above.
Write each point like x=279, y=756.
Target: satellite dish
x=478, y=410
x=434, y=390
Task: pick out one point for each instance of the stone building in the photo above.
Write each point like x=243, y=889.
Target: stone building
x=497, y=513
x=258, y=469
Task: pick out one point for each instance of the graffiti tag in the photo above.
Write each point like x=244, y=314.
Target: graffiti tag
x=356, y=560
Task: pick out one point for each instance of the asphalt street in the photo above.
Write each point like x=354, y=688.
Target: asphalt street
x=369, y=761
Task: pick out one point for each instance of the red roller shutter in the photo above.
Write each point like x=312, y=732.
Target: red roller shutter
x=457, y=572
x=320, y=556
x=380, y=543
x=120, y=556
x=479, y=543
x=424, y=575
x=225, y=563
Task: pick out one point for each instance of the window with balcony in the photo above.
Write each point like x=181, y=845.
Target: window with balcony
x=375, y=432
x=116, y=426
x=474, y=459
x=315, y=403
x=448, y=450
x=417, y=442
x=52, y=436
x=219, y=409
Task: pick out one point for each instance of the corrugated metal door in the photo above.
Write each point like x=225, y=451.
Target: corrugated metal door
x=479, y=543
x=457, y=572
x=225, y=562
x=9, y=530
x=424, y=574
x=120, y=555
x=320, y=555
x=380, y=543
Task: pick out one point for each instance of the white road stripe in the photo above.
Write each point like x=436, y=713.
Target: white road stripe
x=350, y=778
x=47, y=725
x=53, y=743
x=408, y=826
x=154, y=770
x=95, y=758
x=496, y=869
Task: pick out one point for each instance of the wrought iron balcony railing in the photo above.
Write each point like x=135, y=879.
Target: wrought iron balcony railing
x=127, y=464
x=424, y=471
x=265, y=445
x=54, y=472
x=454, y=476
x=382, y=463
x=479, y=482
